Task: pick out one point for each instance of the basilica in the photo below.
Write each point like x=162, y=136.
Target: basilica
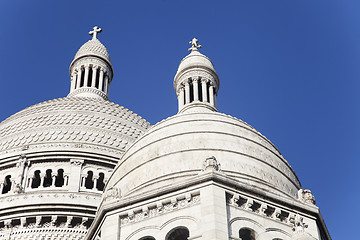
x=84, y=168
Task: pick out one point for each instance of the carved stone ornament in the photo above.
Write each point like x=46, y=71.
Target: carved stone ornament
x=76, y=162
x=18, y=188
x=211, y=164
x=112, y=194
x=298, y=223
x=306, y=196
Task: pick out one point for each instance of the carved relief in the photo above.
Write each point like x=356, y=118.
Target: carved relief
x=259, y=207
x=112, y=194
x=306, y=196
x=211, y=164
x=160, y=208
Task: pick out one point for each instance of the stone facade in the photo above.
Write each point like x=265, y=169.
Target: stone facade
x=82, y=167
x=56, y=156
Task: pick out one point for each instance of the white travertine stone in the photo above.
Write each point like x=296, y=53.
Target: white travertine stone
x=58, y=155
x=93, y=80
x=197, y=67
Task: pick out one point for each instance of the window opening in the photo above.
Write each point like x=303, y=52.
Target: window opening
x=7, y=184
x=89, y=183
x=147, y=238
x=191, y=92
x=181, y=233
x=59, y=180
x=100, y=182
x=90, y=77
x=48, y=178
x=82, y=78
x=207, y=91
x=36, y=179
x=97, y=79
x=246, y=234
x=200, y=91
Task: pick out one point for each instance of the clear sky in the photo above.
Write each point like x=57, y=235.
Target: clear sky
x=288, y=68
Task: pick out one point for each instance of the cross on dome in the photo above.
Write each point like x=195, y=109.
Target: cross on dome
x=95, y=31
x=194, y=45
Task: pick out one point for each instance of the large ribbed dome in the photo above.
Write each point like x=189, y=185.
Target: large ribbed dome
x=174, y=151
x=64, y=122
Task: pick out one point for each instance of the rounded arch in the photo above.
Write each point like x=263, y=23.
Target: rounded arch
x=246, y=233
x=178, y=233
x=277, y=234
x=238, y=223
x=147, y=238
x=161, y=231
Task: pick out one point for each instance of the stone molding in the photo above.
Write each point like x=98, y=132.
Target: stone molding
x=88, y=90
x=160, y=208
x=256, y=206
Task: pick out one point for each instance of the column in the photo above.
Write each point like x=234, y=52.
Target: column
x=101, y=80
x=42, y=177
x=93, y=81
x=30, y=182
x=53, y=180
x=66, y=180
x=181, y=98
x=211, y=94
x=204, y=92
x=75, y=173
x=196, y=89
x=73, y=82
x=79, y=75
x=106, y=87
x=95, y=183
x=86, y=77
x=83, y=177
x=187, y=92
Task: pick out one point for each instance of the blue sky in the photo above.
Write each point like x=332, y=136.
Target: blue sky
x=288, y=68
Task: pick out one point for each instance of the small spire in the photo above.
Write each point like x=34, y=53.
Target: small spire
x=95, y=31
x=194, y=45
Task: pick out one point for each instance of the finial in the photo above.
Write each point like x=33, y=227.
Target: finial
x=95, y=32
x=194, y=45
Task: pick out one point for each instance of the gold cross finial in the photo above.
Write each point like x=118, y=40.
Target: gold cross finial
x=95, y=31
x=194, y=45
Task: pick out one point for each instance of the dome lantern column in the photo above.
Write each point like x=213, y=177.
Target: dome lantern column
x=197, y=74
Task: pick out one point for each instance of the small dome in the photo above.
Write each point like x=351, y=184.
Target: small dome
x=93, y=47
x=175, y=150
x=62, y=123
x=195, y=60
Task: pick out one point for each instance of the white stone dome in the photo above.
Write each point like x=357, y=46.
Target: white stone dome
x=95, y=48
x=66, y=123
x=195, y=59
x=174, y=151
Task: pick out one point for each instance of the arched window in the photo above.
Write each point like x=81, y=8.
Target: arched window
x=180, y=233
x=36, y=179
x=147, y=238
x=59, y=180
x=48, y=178
x=7, y=184
x=89, y=183
x=247, y=234
x=100, y=182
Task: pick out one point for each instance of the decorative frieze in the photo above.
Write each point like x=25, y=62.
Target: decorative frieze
x=261, y=208
x=160, y=208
